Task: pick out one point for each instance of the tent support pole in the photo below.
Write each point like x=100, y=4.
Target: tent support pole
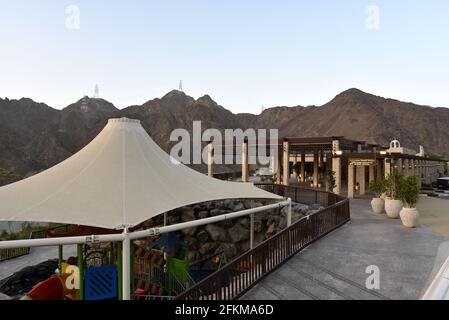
x=251, y=228
x=126, y=272
x=131, y=244
x=111, y=252
x=119, y=271
x=81, y=269
x=60, y=257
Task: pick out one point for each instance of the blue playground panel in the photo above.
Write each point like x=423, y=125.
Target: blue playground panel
x=100, y=283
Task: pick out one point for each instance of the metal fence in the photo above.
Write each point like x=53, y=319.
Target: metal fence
x=237, y=277
x=6, y=254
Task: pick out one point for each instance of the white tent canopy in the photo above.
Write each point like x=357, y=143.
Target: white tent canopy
x=118, y=180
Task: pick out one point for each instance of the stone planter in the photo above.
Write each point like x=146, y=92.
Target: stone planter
x=378, y=205
x=393, y=208
x=409, y=217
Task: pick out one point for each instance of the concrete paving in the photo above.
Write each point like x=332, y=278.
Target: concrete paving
x=335, y=266
x=434, y=213
x=36, y=256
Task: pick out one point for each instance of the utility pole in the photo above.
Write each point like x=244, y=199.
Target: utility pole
x=96, y=92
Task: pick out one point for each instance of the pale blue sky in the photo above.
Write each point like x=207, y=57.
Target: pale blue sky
x=244, y=54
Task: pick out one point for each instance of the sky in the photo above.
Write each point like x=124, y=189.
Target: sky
x=244, y=54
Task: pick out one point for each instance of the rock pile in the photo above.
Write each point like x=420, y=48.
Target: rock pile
x=23, y=281
x=232, y=236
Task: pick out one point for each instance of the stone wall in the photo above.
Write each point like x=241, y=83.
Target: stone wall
x=232, y=236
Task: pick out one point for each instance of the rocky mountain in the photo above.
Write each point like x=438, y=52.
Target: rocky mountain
x=34, y=136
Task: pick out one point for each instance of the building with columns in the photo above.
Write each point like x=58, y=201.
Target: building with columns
x=355, y=163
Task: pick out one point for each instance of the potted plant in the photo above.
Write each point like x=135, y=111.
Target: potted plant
x=409, y=194
x=393, y=183
x=378, y=188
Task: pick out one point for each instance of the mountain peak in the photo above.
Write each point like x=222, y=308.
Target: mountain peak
x=174, y=93
x=206, y=100
x=91, y=105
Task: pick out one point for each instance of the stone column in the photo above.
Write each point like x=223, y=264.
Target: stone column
x=336, y=167
x=406, y=167
x=278, y=167
x=387, y=166
x=360, y=178
x=286, y=164
x=315, y=168
x=321, y=164
x=419, y=173
x=379, y=172
x=303, y=166
x=372, y=173
x=210, y=160
x=295, y=161
x=328, y=163
x=245, y=166
x=350, y=181
x=412, y=165
x=399, y=164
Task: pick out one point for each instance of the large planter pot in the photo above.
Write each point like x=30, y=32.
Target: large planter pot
x=393, y=208
x=409, y=217
x=378, y=205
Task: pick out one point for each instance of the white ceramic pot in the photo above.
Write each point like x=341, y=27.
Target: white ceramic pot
x=378, y=205
x=393, y=208
x=410, y=217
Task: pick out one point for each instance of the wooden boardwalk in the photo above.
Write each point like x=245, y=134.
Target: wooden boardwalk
x=335, y=266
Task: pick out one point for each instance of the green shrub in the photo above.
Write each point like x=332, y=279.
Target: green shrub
x=409, y=191
x=377, y=187
x=393, y=184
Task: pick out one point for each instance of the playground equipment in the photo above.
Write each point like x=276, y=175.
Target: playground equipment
x=120, y=244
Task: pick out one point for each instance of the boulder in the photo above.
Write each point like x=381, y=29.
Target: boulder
x=238, y=233
x=228, y=248
x=202, y=214
x=315, y=207
x=238, y=207
x=271, y=231
x=190, y=232
x=217, y=212
x=245, y=222
x=202, y=236
x=207, y=247
x=258, y=226
x=187, y=214
x=216, y=233
x=228, y=204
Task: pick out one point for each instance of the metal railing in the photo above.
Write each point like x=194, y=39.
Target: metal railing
x=238, y=276
x=39, y=234
x=6, y=254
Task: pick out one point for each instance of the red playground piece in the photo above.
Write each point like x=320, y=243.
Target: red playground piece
x=50, y=289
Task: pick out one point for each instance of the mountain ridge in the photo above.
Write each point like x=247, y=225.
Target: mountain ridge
x=35, y=136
